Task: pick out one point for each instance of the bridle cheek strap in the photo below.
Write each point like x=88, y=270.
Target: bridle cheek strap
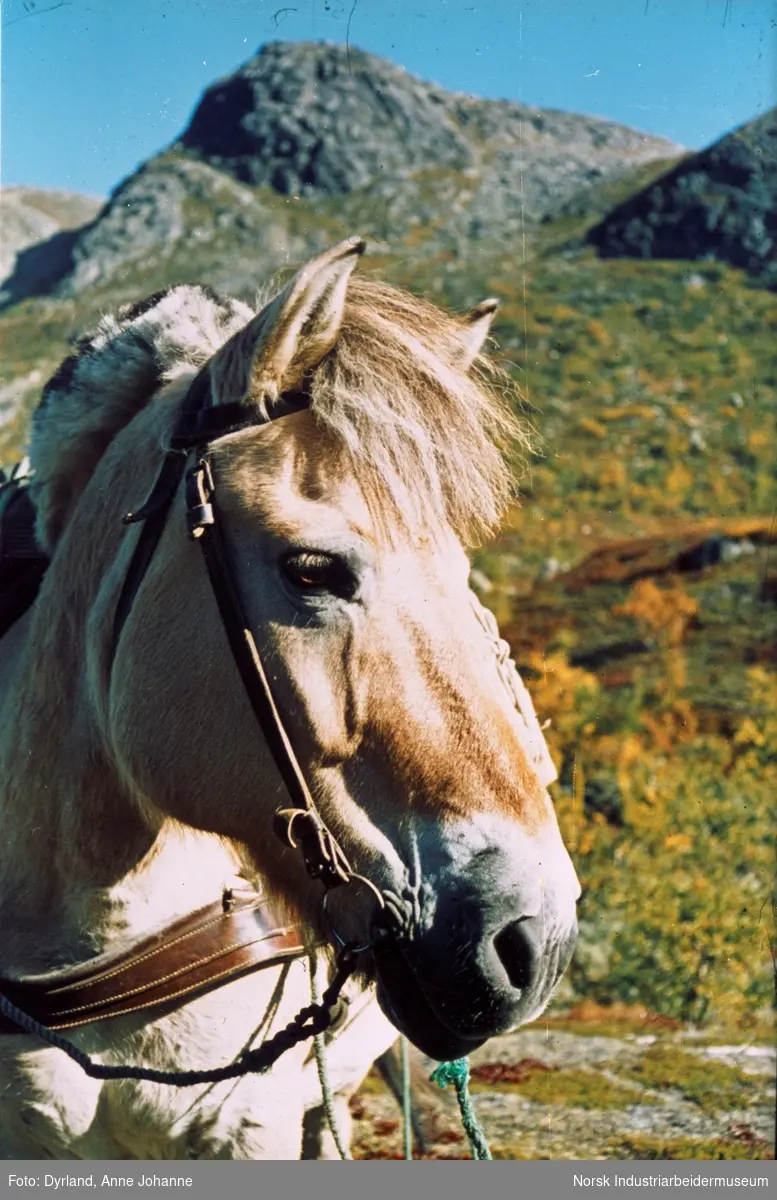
x=323, y=856
x=300, y=825
x=198, y=427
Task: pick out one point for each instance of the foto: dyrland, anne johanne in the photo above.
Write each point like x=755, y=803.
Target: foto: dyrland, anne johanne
x=67, y=1181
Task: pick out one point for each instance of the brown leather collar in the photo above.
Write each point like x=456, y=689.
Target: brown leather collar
x=196, y=953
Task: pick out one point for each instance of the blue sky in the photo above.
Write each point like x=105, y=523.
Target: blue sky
x=90, y=88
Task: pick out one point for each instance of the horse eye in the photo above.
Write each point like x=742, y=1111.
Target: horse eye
x=312, y=571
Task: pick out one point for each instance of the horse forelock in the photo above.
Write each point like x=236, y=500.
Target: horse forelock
x=428, y=439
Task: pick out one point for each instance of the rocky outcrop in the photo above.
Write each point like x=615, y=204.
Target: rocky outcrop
x=323, y=118
x=721, y=203
x=328, y=120
x=306, y=118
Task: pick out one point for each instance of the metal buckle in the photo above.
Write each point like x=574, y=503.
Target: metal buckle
x=199, y=492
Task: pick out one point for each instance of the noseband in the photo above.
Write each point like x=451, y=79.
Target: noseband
x=199, y=427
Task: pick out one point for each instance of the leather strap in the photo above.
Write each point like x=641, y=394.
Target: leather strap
x=153, y=513
x=323, y=856
x=199, y=425
x=22, y=563
x=195, y=954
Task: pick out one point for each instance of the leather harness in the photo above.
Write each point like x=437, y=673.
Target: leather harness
x=198, y=952
x=238, y=935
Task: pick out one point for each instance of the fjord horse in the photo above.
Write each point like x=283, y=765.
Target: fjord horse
x=367, y=454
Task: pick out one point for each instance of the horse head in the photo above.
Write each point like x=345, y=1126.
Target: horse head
x=346, y=520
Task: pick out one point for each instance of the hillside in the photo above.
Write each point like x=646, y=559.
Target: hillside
x=637, y=580
x=32, y=215
x=721, y=203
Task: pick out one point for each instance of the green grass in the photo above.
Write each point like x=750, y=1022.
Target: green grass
x=713, y=1086
x=692, y=1149
x=644, y=1147
x=570, y=1089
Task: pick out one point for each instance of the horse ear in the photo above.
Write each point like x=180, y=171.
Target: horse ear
x=291, y=335
x=470, y=336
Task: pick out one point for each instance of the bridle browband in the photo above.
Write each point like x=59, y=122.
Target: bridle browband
x=188, y=459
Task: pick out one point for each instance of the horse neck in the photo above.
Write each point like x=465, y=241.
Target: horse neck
x=81, y=866
x=83, y=863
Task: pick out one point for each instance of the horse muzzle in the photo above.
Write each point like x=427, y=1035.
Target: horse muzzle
x=449, y=997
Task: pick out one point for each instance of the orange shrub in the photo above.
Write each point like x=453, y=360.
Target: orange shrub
x=666, y=613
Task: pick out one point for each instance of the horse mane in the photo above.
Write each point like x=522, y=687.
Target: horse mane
x=421, y=431
x=113, y=374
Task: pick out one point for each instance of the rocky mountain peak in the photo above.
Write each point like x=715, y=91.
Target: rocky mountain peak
x=331, y=118
x=308, y=117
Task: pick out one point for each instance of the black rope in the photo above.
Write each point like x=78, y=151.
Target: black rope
x=311, y=1020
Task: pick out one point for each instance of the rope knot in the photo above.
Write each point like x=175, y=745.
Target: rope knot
x=457, y=1072
x=323, y=857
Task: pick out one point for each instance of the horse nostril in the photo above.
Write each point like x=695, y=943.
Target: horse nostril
x=519, y=951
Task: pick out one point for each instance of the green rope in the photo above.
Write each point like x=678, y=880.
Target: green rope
x=319, y=1048
x=407, y=1112
x=457, y=1073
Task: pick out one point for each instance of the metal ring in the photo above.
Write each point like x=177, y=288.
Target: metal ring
x=343, y=945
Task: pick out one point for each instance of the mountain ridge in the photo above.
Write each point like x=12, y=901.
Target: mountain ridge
x=322, y=116
x=718, y=203
x=32, y=215
x=353, y=141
